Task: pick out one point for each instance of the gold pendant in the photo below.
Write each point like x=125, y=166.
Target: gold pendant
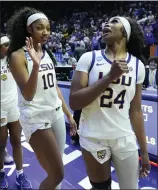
x=3, y=77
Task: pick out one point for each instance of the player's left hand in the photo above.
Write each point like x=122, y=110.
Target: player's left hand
x=73, y=126
x=145, y=165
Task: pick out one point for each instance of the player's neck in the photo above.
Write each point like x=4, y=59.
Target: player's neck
x=116, y=50
x=35, y=45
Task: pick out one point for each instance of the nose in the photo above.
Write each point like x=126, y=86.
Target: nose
x=107, y=25
x=45, y=32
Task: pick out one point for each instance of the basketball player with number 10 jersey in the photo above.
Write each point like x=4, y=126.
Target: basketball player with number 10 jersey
x=46, y=99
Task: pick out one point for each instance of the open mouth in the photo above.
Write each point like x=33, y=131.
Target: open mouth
x=106, y=30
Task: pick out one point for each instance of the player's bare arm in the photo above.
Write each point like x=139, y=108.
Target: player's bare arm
x=19, y=71
x=64, y=106
x=18, y=68
x=67, y=113
x=137, y=121
x=81, y=95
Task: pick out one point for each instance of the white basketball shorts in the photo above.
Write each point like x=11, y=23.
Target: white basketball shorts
x=9, y=113
x=102, y=150
x=49, y=118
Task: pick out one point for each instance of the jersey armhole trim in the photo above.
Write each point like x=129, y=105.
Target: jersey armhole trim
x=92, y=62
x=26, y=64
x=137, y=64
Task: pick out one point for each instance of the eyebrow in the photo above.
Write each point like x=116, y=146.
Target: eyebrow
x=40, y=24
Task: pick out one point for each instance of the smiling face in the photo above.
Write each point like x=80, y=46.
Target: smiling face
x=113, y=31
x=40, y=31
x=153, y=65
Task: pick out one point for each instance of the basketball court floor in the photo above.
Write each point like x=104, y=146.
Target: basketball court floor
x=75, y=173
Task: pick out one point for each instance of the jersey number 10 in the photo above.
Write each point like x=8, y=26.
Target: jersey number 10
x=48, y=81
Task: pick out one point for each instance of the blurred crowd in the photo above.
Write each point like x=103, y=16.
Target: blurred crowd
x=81, y=30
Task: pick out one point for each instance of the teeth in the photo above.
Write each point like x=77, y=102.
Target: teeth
x=106, y=30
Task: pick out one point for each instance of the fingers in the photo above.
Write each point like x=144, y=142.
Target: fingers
x=121, y=63
x=120, y=60
x=72, y=132
x=147, y=170
x=144, y=171
x=73, y=129
x=123, y=67
x=29, y=43
x=39, y=48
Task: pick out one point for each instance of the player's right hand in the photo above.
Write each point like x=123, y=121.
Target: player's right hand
x=118, y=68
x=35, y=55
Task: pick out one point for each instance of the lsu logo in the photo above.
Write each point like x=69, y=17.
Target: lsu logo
x=101, y=154
x=46, y=67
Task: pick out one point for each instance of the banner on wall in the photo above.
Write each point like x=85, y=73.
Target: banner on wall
x=151, y=125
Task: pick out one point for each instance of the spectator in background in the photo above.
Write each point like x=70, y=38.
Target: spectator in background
x=79, y=48
x=151, y=78
x=155, y=27
x=68, y=29
x=65, y=56
x=58, y=46
x=151, y=16
x=86, y=41
x=72, y=60
x=148, y=33
x=74, y=64
x=145, y=18
x=68, y=48
x=95, y=41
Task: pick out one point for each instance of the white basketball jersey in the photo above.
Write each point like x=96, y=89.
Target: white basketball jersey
x=108, y=116
x=46, y=97
x=8, y=85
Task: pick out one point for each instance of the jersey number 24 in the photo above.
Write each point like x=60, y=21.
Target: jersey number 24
x=109, y=94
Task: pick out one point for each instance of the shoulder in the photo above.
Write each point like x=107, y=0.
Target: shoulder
x=84, y=62
x=90, y=54
x=140, y=71
x=136, y=61
x=17, y=57
x=139, y=68
x=87, y=54
x=18, y=54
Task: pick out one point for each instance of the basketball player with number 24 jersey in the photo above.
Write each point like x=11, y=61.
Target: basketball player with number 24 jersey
x=107, y=87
